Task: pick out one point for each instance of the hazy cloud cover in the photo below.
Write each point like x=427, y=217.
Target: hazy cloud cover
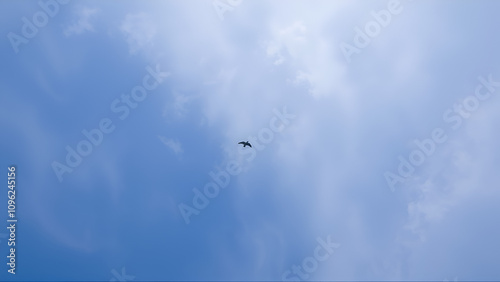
x=325, y=131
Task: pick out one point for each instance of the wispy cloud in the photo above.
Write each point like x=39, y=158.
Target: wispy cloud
x=178, y=108
x=287, y=40
x=139, y=31
x=172, y=144
x=460, y=172
x=301, y=46
x=82, y=23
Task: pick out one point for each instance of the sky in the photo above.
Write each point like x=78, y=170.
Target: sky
x=373, y=124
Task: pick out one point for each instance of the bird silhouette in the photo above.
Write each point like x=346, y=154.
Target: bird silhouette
x=245, y=144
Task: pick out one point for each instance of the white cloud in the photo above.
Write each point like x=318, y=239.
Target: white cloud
x=177, y=108
x=455, y=175
x=287, y=40
x=139, y=31
x=303, y=46
x=180, y=104
x=83, y=23
x=172, y=144
x=300, y=79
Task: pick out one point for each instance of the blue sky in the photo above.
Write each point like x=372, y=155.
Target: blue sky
x=327, y=129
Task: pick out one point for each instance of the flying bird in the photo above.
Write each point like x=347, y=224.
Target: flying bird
x=245, y=144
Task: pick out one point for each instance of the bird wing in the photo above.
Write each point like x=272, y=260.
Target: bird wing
x=243, y=143
x=249, y=145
